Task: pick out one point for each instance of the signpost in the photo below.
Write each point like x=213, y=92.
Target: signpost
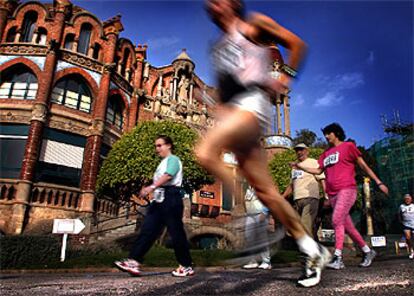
x=65, y=227
x=378, y=241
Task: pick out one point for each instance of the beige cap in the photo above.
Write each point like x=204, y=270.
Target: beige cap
x=301, y=146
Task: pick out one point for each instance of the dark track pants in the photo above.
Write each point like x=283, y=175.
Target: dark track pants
x=169, y=213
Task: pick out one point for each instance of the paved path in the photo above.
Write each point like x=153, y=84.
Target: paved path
x=386, y=277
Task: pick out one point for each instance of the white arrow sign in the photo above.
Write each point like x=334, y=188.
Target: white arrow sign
x=65, y=227
x=69, y=226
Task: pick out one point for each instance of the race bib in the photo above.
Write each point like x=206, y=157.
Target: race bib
x=229, y=57
x=159, y=195
x=331, y=159
x=297, y=174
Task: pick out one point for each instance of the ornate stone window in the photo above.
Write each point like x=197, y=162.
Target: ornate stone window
x=114, y=112
x=72, y=92
x=29, y=26
x=84, y=38
x=18, y=83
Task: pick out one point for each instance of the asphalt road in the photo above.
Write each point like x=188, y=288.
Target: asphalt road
x=392, y=276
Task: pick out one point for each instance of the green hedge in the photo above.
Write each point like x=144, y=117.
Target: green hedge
x=28, y=251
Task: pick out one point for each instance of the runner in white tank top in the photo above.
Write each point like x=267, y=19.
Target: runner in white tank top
x=243, y=70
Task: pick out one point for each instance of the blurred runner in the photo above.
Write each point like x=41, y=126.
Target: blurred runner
x=243, y=65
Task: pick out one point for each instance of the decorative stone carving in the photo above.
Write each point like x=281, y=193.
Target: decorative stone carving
x=183, y=87
x=96, y=128
x=39, y=112
x=53, y=46
x=157, y=107
x=148, y=104
x=23, y=49
x=109, y=68
x=122, y=83
x=165, y=92
x=139, y=92
x=83, y=61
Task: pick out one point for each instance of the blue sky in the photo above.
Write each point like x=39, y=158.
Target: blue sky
x=359, y=65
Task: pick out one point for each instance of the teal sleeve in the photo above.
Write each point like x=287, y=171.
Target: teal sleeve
x=173, y=165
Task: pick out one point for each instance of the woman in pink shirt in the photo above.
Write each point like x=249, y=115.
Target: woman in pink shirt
x=338, y=164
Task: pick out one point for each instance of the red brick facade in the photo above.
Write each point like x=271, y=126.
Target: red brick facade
x=110, y=67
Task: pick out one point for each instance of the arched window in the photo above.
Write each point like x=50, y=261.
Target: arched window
x=29, y=25
x=11, y=34
x=84, y=38
x=72, y=92
x=114, y=111
x=42, y=36
x=69, y=39
x=18, y=83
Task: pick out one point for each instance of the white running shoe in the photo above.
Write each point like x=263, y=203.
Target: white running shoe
x=182, y=271
x=265, y=265
x=368, y=258
x=336, y=263
x=313, y=268
x=251, y=265
x=129, y=265
x=411, y=256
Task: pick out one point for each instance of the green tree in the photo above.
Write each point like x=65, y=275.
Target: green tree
x=132, y=161
x=280, y=169
x=304, y=136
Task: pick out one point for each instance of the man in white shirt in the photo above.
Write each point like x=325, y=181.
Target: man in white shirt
x=407, y=220
x=305, y=189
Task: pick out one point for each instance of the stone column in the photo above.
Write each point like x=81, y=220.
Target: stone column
x=18, y=35
x=278, y=118
x=286, y=109
x=159, y=86
x=75, y=44
x=35, y=35
x=174, y=93
x=39, y=113
x=91, y=156
x=190, y=96
x=90, y=51
x=171, y=88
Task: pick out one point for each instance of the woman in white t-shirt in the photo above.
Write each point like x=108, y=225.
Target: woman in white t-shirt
x=165, y=210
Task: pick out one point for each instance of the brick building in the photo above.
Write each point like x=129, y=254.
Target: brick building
x=70, y=86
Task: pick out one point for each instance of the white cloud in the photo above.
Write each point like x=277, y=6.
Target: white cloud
x=347, y=81
x=163, y=42
x=371, y=58
x=329, y=99
x=297, y=100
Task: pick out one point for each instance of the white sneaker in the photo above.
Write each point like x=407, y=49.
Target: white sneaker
x=313, y=268
x=411, y=256
x=251, y=265
x=129, y=265
x=182, y=271
x=265, y=265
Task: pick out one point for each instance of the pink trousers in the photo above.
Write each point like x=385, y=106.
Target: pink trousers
x=341, y=220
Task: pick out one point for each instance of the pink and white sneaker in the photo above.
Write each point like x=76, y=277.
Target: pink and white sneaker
x=128, y=265
x=182, y=271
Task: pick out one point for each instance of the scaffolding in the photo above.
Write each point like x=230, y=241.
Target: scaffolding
x=394, y=157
